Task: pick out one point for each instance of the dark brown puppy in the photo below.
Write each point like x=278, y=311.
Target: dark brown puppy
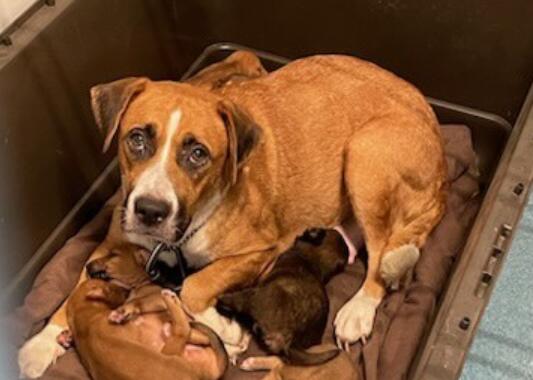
x=157, y=342
x=288, y=309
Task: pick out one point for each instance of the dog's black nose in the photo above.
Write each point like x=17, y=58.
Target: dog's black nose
x=151, y=211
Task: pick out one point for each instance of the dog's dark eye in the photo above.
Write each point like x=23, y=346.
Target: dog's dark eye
x=139, y=143
x=198, y=155
x=194, y=154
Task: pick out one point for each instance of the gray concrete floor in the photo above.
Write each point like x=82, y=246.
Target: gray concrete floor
x=503, y=347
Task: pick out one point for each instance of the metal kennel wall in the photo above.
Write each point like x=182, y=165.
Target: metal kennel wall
x=471, y=55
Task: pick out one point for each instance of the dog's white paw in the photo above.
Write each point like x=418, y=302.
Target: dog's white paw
x=38, y=353
x=234, y=351
x=355, y=319
x=234, y=337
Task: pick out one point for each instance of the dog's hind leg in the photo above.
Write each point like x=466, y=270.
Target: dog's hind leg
x=397, y=200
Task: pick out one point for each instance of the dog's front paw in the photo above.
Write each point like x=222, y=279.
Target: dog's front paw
x=355, y=319
x=234, y=337
x=193, y=302
x=235, y=350
x=38, y=353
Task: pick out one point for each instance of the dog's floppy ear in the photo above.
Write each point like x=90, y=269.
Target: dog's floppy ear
x=236, y=302
x=243, y=136
x=109, y=101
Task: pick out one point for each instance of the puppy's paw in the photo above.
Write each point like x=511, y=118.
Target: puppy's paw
x=355, y=319
x=261, y=363
x=171, y=295
x=250, y=364
x=65, y=339
x=38, y=353
x=123, y=314
x=234, y=337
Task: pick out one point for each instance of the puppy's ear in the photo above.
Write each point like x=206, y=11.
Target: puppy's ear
x=109, y=101
x=243, y=135
x=141, y=256
x=237, y=302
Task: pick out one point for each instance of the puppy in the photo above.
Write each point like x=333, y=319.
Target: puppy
x=288, y=309
x=339, y=368
x=126, y=328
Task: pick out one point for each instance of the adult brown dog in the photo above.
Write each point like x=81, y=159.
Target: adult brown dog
x=127, y=328
x=233, y=178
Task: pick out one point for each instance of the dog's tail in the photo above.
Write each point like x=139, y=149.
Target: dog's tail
x=216, y=344
x=306, y=358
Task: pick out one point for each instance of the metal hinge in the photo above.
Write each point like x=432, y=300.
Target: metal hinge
x=493, y=262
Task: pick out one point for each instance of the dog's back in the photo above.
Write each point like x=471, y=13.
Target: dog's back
x=326, y=100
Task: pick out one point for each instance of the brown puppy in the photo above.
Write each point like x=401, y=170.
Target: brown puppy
x=158, y=340
x=339, y=368
x=288, y=309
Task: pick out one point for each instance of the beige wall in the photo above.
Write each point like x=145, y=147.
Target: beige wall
x=11, y=9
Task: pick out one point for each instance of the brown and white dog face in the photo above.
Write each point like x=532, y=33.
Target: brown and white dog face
x=180, y=149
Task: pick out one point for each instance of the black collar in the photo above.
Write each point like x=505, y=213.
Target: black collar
x=156, y=269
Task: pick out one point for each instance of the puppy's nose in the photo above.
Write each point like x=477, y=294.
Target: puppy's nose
x=151, y=211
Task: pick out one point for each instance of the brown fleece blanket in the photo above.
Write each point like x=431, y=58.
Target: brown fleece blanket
x=401, y=321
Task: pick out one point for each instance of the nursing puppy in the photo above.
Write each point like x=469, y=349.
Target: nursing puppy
x=126, y=328
x=288, y=309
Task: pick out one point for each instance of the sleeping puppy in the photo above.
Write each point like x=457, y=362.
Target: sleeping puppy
x=288, y=309
x=126, y=328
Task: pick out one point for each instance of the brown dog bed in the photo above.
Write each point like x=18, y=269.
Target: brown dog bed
x=401, y=319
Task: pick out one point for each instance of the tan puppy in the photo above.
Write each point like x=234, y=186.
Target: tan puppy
x=156, y=339
x=232, y=178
